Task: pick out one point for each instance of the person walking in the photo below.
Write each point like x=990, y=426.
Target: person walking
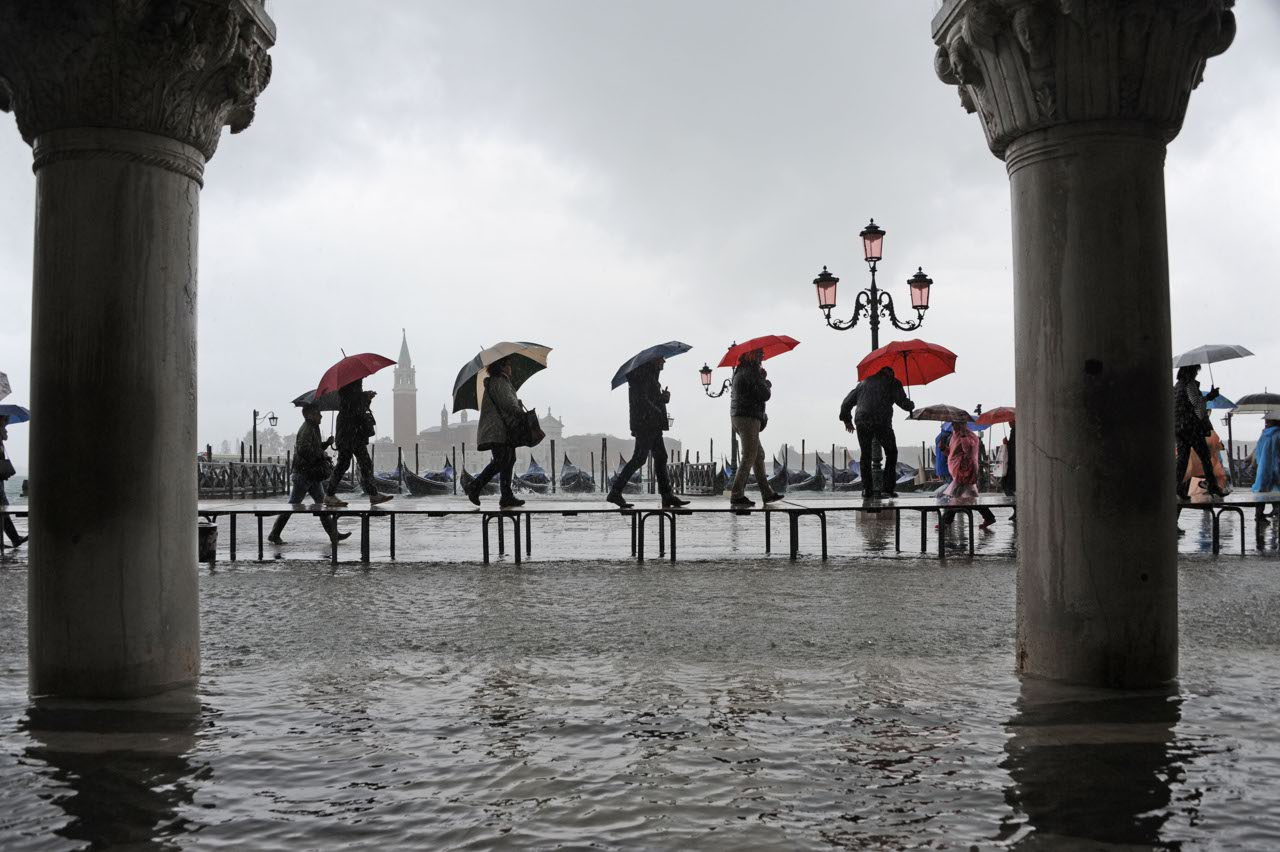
x=1009, y=482
x=750, y=390
x=355, y=427
x=1191, y=426
x=962, y=461
x=1266, y=455
x=875, y=398
x=311, y=470
x=498, y=431
x=648, y=402
x=6, y=472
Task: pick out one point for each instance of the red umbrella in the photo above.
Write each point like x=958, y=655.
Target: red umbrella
x=350, y=369
x=914, y=362
x=1003, y=414
x=772, y=344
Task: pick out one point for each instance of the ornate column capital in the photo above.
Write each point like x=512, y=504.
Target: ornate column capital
x=182, y=69
x=1027, y=65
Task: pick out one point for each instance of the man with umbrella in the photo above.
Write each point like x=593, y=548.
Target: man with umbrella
x=354, y=429
x=648, y=401
x=875, y=398
x=311, y=470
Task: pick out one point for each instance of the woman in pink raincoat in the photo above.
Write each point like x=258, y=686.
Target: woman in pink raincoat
x=962, y=462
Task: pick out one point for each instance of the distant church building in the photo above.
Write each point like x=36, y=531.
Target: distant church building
x=405, y=397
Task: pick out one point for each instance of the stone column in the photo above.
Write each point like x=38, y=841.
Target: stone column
x=1079, y=98
x=123, y=102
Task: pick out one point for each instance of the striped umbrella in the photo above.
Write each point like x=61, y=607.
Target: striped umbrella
x=943, y=413
x=525, y=359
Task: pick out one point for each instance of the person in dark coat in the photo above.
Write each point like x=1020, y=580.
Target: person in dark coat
x=873, y=421
x=648, y=401
x=311, y=470
x=1191, y=427
x=751, y=389
x=498, y=430
x=355, y=427
x=9, y=529
x=1009, y=482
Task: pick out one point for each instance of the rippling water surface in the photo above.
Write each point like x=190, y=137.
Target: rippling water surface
x=720, y=703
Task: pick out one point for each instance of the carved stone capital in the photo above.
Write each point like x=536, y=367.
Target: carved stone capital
x=182, y=69
x=1027, y=65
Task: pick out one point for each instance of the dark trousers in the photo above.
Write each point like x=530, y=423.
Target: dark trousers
x=870, y=431
x=501, y=466
x=987, y=515
x=302, y=487
x=10, y=530
x=363, y=463
x=1187, y=443
x=646, y=445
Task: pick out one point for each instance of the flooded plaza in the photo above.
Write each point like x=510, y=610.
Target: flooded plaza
x=730, y=701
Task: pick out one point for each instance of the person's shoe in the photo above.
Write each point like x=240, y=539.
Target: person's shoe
x=616, y=499
x=509, y=501
x=19, y=541
x=375, y=499
x=473, y=493
x=333, y=501
x=742, y=502
x=671, y=501
x=773, y=498
x=343, y=536
x=868, y=495
x=985, y=525
x=275, y=539
x=889, y=495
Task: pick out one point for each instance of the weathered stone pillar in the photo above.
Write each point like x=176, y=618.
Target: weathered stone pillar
x=123, y=102
x=1079, y=98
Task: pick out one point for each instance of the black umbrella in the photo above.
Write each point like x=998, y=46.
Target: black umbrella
x=328, y=402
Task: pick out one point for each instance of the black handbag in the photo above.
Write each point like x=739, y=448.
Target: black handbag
x=6, y=469
x=529, y=431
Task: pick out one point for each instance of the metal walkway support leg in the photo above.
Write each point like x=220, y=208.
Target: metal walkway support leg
x=364, y=537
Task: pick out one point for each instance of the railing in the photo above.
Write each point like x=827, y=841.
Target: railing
x=695, y=479
x=242, y=479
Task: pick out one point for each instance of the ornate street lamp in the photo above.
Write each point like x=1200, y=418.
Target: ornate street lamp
x=873, y=303
x=705, y=375
x=271, y=418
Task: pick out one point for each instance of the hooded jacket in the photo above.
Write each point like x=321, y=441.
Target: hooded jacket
x=648, y=401
x=499, y=411
x=875, y=399
x=750, y=391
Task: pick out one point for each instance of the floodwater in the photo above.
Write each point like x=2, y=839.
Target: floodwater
x=730, y=701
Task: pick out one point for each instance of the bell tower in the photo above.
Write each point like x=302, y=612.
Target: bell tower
x=405, y=398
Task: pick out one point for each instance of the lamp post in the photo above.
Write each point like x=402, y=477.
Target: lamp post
x=705, y=375
x=271, y=418
x=873, y=303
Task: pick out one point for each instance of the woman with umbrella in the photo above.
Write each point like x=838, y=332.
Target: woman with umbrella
x=648, y=401
x=962, y=462
x=751, y=389
x=1191, y=428
x=501, y=413
x=6, y=471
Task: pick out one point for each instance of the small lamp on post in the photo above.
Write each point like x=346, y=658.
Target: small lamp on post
x=825, y=284
x=705, y=375
x=271, y=418
x=872, y=242
x=920, y=284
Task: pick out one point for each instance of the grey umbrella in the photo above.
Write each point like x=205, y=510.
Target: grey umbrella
x=1211, y=354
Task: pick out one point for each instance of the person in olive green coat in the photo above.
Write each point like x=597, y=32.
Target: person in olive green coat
x=500, y=415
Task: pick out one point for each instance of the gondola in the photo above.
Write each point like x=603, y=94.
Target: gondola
x=534, y=478
x=846, y=479
x=809, y=482
x=382, y=483
x=444, y=474
x=632, y=487
x=464, y=483
x=422, y=486
x=574, y=480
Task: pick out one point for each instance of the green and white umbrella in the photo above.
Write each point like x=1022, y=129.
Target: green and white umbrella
x=525, y=358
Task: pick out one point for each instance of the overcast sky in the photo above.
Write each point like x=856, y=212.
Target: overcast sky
x=602, y=176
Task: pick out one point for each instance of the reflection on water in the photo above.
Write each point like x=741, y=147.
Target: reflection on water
x=719, y=705
x=1093, y=765
x=121, y=772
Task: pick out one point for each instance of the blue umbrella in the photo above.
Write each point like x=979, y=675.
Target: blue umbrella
x=1220, y=402
x=15, y=413
x=653, y=353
